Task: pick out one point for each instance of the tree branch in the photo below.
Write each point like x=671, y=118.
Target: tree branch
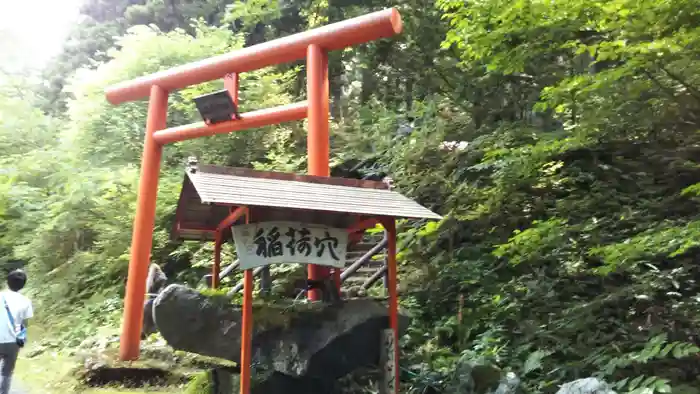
x=693, y=92
x=670, y=92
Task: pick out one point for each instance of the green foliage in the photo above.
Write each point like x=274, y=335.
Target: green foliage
x=253, y=12
x=101, y=25
x=200, y=384
x=538, y=242
x=662, y=241
x=657, y=348
x=144, y=50
x=571, y=217
x=572, y=230
x=70, y=186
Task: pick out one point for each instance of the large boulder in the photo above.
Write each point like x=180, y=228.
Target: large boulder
x=314, y=340
x=329, y=342
x=192, y=322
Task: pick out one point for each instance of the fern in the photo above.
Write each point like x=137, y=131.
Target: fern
x=534, y=361
x=644, y=385
x=655, y=349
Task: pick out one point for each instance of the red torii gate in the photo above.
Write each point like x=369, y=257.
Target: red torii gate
x=312, y=45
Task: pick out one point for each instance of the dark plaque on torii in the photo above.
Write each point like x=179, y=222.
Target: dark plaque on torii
x=217, y=107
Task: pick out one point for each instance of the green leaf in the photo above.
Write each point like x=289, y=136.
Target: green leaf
x=678, y=352
x=635, y=382
x=667, y=349
x=534, y=361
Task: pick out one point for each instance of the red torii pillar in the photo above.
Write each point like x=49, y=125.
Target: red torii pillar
x=231, y=84
x=318, y=137
x=312, y=45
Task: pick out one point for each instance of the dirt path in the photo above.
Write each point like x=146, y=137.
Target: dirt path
x=17, y=388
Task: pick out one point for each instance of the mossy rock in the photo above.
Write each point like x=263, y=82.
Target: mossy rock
x=298, y=339
x=198, y=361
x=268, y=312
x=281, y=314
x=157, y=366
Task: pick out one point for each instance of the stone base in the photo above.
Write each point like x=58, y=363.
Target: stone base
x=311, y=341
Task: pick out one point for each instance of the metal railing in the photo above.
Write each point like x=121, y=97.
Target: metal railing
x=363, y=260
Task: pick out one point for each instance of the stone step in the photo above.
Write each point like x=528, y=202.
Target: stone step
x=369, y=266
x=357, y=281
x=366, y=271
x=356, y=255
x=350, y=259
x=362, y=248
x=360, y=276
x=354, y=281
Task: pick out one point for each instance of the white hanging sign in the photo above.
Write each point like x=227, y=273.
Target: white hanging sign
x=266, y=243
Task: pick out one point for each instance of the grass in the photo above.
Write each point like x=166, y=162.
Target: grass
x=50, y=373
x=56, y=371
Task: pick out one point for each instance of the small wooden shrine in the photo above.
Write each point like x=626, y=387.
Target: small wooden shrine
x=278, y=217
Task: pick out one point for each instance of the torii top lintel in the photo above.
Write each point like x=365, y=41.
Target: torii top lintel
x=355, y=31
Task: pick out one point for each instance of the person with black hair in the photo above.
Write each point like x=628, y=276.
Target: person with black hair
x=13, y=322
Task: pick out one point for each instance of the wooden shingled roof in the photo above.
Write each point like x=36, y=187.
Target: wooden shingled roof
x=209, y=193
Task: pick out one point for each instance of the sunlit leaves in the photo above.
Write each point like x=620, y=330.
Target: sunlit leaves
x=665, y=241
x=98, y=128
x=534, y=361
x=538, y=242
x=253, y=12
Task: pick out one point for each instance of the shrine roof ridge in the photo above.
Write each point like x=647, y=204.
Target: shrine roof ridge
x=286, y=176
x=245, y=187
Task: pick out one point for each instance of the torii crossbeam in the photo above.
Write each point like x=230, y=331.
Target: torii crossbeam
x=313, y=45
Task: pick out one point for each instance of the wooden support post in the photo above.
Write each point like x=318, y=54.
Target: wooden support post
x=390, y=226
x=216, y=268
x=142, y=236
x=387, y=363
x=265, y=281
x=231, y=84
x=318, y=143
x=247, y=328
x=386, y=263
x=218, y=241
x=336, y=278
